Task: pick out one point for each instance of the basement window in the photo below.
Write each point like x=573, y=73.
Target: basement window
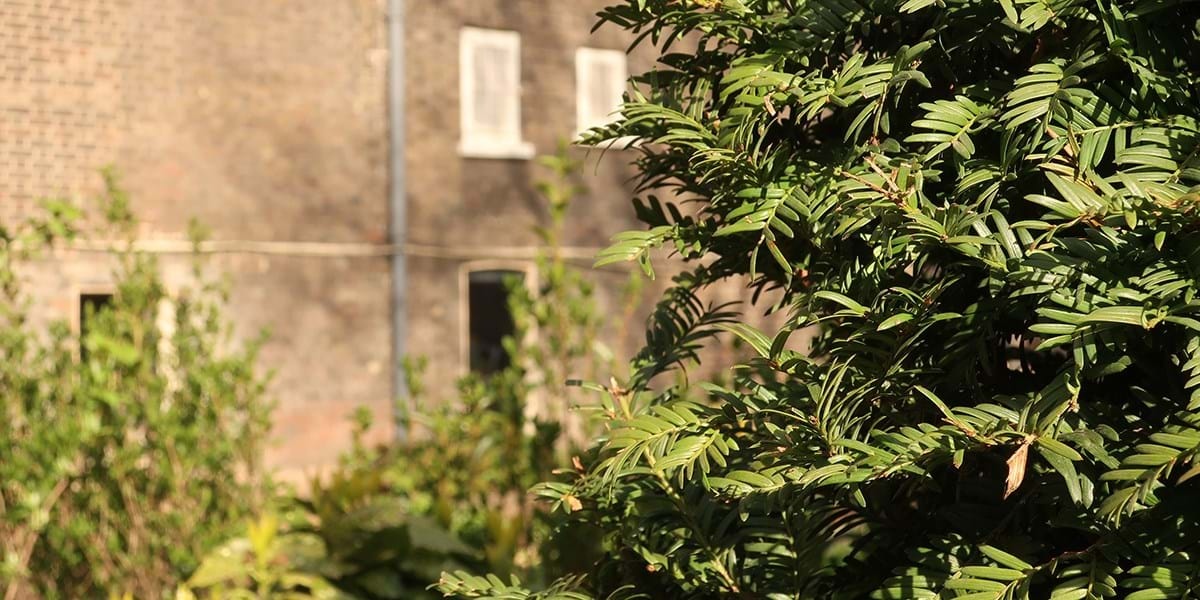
x=489, y=319
x=490, y=88
x=90, y=305
x=600, y=77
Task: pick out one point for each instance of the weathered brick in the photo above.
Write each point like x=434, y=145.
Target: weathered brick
x=263, y=119
x=267, y=120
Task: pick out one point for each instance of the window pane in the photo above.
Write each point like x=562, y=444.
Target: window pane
x=604, y=96
x=492, y=88
x=489, y=319
x=600, y=84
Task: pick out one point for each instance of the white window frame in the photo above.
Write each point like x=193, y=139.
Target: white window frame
x=585, y=118
x=472, y=142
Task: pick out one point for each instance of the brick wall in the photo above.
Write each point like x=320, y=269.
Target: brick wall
x=266, y=120
x=474, y=205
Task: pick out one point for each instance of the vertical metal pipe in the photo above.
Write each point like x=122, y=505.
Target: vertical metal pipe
x=398, y=207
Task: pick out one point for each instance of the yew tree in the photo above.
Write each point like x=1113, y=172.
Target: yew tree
x=988, y=214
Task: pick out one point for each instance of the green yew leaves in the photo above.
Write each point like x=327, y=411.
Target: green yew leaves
x=987, y=215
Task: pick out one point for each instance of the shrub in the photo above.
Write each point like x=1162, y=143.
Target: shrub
x=988, y=213
x=264, y=564
x=128, y=451
x=351, y=538
x=389, y=520
x=451, y=494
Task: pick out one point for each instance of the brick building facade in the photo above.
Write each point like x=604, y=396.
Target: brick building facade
x=266, y=121
x=271, y=122
x=473, y=209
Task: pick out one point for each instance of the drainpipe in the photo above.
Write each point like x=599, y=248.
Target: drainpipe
x=398, y=205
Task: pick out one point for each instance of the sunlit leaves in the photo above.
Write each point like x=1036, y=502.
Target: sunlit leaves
x=986, y=215
x=949, y=123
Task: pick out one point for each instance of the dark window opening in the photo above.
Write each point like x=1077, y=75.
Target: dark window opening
x=89, y=306
x=489, y=319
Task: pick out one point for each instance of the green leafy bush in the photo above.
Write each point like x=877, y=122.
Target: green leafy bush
x=452, y=493
x=128, y=451
x=349, y=539
x=989, y=214
x=266, y=563
x=389, y=520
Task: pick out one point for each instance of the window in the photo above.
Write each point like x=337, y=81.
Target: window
x=90, y=304
x=489, y=319
x=600, y=77
x=490, y=86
